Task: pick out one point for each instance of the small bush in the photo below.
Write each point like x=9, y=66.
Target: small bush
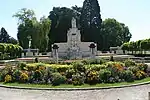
x=92, y=77
x=8, y=70
x=97, y=67
x=128, y=76
x=22, y=65
x=93, y=61
x=57, y=79
x=62, y=68
x=16, y=74
x=77, y=79
x=40, y=66
x=24, y=77
x=115, y=68
x=104, y=75
x=8, y=78
x=79, y=67
x=69, y=73
x=129, y=63
x=48, y=74
x=134, y=69
x=38, y=75
x=140, y=75
x=142, y=67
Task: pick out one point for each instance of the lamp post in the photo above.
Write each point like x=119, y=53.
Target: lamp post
x=92, y=47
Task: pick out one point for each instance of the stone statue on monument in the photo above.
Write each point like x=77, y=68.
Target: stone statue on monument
x=29, y=38
x=74, y=25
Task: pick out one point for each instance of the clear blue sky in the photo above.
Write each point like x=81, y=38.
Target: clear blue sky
x=134, y=13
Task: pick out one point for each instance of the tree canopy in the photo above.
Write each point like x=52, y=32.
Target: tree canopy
x=114, y=33
x=6, y=38
x=140, y=45
x=105, y=33
x=54, y=29
x=91, y=22
x=28, y=25
x=61, y=21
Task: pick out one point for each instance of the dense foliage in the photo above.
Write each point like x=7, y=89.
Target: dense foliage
x=105, y=33
x=29, y=26
x=61, y=22
x=5, y=38
x=76, y=73
x=137, y=46
x=90, y=22
x=8, y=51
x=54, y=29
x=114, y=33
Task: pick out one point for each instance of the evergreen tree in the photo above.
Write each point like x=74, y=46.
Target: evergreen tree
x=4, y=36
x=91, y=22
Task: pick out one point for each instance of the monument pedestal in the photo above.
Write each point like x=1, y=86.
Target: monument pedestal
x=29, y=54
x=22, y=55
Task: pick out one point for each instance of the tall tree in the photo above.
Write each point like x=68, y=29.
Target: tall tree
x=114, y=33
x=91, y=22
x=24, y=15
x=13, y=40
x=44, y=29
x=26, y=19
x=4, y=36
x=29, y=26
x=61, y=21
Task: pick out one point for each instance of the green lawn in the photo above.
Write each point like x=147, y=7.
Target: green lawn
x=82, y=86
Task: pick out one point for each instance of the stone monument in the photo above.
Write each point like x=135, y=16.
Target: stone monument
x=29, y=53
x=74, y=48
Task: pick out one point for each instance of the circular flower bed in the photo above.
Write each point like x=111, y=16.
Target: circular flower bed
x=77, y=73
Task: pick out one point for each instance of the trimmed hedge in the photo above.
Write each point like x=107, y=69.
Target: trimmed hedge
x=9, y=51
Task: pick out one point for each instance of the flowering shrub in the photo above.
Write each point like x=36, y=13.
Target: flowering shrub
x=92, y=77
x=69, y=73
x=37, y=75
x=16, y=74
x=24, y=77
x=104, y=75
x=79, y=67
x=134, y=69
x=118, y=66
x=115, y=68
x=22, y=65
x=140, y=74
x=8, y=78
x=143, y=67
x=58, y=79
x=129, y=63
x=76, y=73
x=97, y=67
x=93, y=61
x=77, y=79
x=128, y=76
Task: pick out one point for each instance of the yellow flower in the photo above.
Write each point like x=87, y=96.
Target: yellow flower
x=8, y=78
x=24, y=77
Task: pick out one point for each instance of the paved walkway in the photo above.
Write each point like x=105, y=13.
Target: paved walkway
x=129, y=93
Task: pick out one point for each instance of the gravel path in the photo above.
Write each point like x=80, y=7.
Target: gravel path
x=129, y=93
